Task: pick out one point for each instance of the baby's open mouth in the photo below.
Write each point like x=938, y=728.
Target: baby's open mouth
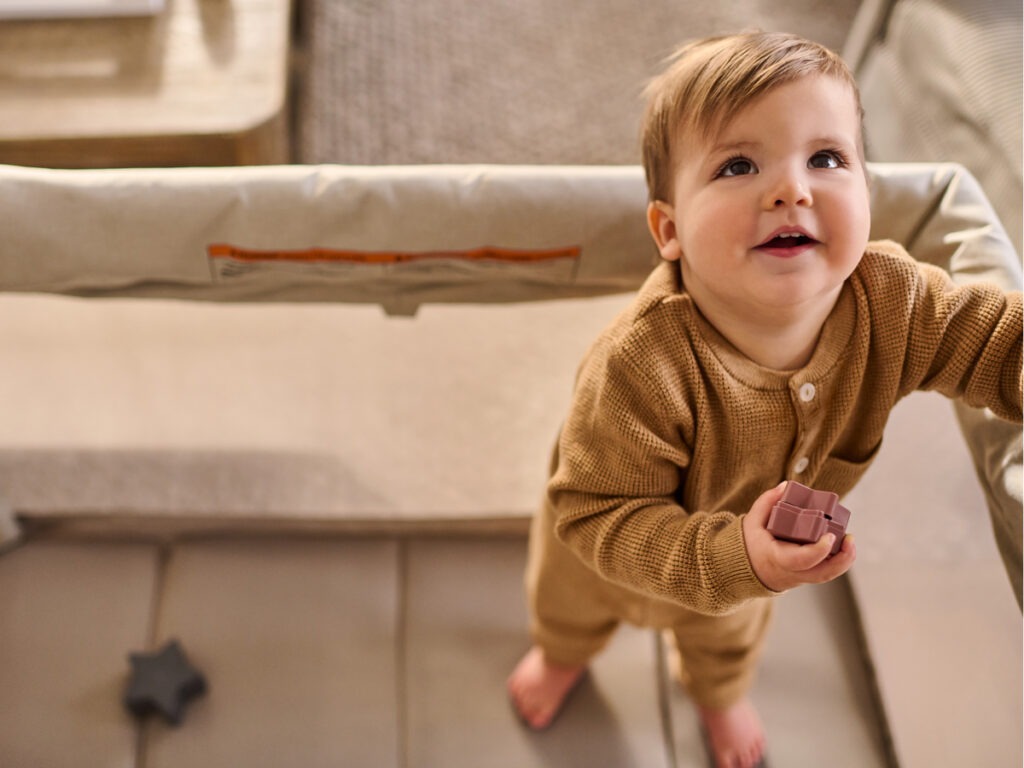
x=794, y=240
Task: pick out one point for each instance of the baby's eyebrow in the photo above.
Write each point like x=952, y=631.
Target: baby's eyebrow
x=833, y=141
x=735, y=146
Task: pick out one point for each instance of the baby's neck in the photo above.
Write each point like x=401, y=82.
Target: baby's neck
x=780, y=341
x=781, y=349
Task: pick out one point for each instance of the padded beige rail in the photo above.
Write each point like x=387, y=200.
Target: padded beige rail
x=401, y=235
x=395, y=235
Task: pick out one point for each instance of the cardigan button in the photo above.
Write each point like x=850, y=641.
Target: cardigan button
x=801, y=465
x=807, y=392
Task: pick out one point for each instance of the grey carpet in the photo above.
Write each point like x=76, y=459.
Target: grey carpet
x=504, y=81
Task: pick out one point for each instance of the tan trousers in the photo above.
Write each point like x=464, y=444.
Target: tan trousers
x=574, y=612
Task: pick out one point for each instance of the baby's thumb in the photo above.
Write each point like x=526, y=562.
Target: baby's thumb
x=762, y=508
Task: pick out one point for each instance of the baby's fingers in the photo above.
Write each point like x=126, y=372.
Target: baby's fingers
x=841, y=561
x=803, y=557
x=832, y=567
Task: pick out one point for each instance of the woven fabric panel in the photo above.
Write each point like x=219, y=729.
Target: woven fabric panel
x=945, y=84
x=505, y=81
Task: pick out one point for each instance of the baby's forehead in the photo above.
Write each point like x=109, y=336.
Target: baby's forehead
x=720, y=124
x=711, y=119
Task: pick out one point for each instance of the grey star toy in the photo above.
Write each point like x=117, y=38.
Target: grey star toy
x=163, y=682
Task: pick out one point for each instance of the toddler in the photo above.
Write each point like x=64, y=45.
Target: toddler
x=770, y=344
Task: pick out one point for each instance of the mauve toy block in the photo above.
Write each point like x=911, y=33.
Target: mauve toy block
x=804, y=515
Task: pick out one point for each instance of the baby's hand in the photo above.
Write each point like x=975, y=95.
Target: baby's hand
x=781, y=565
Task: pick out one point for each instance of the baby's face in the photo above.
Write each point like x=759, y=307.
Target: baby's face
x=772, y=210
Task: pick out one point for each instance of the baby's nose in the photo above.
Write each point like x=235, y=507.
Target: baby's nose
x=788, y=190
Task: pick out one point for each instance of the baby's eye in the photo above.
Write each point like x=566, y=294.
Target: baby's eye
x=737, y=166
x=827, y=159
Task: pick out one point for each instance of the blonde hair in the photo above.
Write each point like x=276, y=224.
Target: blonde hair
x=707, y=81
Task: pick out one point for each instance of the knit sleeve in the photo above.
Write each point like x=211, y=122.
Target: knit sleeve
x=965, y=341
x=623, y=455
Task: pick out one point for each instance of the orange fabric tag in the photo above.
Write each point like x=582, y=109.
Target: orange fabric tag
x=309, y=255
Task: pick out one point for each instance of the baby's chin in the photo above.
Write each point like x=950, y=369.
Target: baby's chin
x=792, y=290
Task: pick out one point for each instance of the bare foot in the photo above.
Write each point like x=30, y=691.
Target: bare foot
x=736, y=735
x=538, y=688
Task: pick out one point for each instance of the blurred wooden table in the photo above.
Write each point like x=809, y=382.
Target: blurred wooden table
x=202, y=83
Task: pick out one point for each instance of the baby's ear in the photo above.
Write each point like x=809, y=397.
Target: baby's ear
x=662, y=223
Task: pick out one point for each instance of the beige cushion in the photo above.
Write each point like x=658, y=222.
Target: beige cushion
x=466, y=627
x=69, y=617
x=812, y=689
x=297, y=642
x=939, y=617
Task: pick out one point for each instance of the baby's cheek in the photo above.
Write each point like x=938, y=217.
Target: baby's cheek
x=857, y=216
x=726, y=230
x=849, y=226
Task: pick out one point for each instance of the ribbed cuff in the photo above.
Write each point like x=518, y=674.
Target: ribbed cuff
x=734, y=571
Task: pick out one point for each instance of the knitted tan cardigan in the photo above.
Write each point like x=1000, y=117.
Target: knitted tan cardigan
x=673, y=433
